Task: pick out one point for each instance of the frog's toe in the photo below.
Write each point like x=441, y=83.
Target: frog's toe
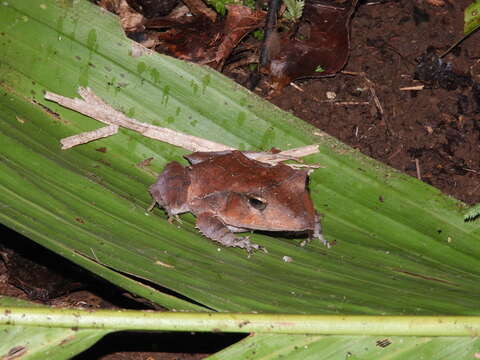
x=305, y=242
x=244, y=243
x=324, y=241
x=174, y=218
x=319, y=237
x=152, y=205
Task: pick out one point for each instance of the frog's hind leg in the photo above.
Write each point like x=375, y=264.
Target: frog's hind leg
x=171, y=189
x=211, y=227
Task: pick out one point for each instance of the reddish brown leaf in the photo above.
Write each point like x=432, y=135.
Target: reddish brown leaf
x=193, y=41
x=203, y=41
x=240, y=21
x=198, y=7
x=321, y=41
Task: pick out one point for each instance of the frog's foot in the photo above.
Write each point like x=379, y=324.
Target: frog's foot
x=174, y=218
x=152, y=205
x=306, y=242
x=244, y=243
x=213, y=228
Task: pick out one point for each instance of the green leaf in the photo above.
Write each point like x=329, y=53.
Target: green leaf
x=294, y=9
x=472, y=18
x=472, y=213
x=401, y=246
x=28, y=342
x=311, y=347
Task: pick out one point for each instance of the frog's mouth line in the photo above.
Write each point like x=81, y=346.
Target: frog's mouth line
x=268, y=231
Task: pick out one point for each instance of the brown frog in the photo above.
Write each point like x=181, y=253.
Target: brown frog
x=231, y=192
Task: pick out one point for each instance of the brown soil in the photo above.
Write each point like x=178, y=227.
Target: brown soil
x=432, y=133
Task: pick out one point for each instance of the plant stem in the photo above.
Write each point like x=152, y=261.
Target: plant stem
x=243, y=323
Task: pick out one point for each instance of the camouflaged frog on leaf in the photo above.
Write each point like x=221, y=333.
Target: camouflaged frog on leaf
x=229, y=192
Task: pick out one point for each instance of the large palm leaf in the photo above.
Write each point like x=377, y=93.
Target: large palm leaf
x=402, y=247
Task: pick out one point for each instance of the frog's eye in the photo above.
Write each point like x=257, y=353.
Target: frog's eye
x=257, y=202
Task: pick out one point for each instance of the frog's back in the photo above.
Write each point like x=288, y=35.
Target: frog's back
x=233, y=171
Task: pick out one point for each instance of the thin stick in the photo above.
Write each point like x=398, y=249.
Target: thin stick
x=350, y=103
x=270, y=33
x=97, y=109
x=414, y=88
x=296, y=86
x=94, y=107
x=417, y=166
x=471, y=170
x=343, y=103
x=458, y=42
x=371, y=87
x=88, y=136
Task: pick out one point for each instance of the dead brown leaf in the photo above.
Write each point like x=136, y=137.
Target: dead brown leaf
x=240, y=21
x=200, y=40
x=318, y=47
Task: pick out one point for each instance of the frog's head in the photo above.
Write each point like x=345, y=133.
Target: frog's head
x=283, y=206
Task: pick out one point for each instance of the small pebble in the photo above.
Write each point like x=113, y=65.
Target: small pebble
x=331, y=95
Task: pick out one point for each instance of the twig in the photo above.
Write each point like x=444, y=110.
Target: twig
x=296, y=86
x=88, y=136
x=471, y=170
x=417, y=166
x=350, y=103
x=415, y=88
x=270, y=34
x=94, y=107
x=395, y=153
x=458, y=42
x=371, y=87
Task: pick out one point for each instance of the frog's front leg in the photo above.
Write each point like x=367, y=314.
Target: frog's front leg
x=213, y=228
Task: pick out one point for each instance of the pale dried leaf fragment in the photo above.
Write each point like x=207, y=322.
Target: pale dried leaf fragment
x=94, y=107
x=161, y=263
x=436, y=2
x=88, y=136
x=412, y=88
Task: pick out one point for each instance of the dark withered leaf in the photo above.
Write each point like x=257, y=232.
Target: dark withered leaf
x=204, y=41
x=321, y=41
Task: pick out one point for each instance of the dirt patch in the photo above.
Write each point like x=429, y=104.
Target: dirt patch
x=434, y=132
